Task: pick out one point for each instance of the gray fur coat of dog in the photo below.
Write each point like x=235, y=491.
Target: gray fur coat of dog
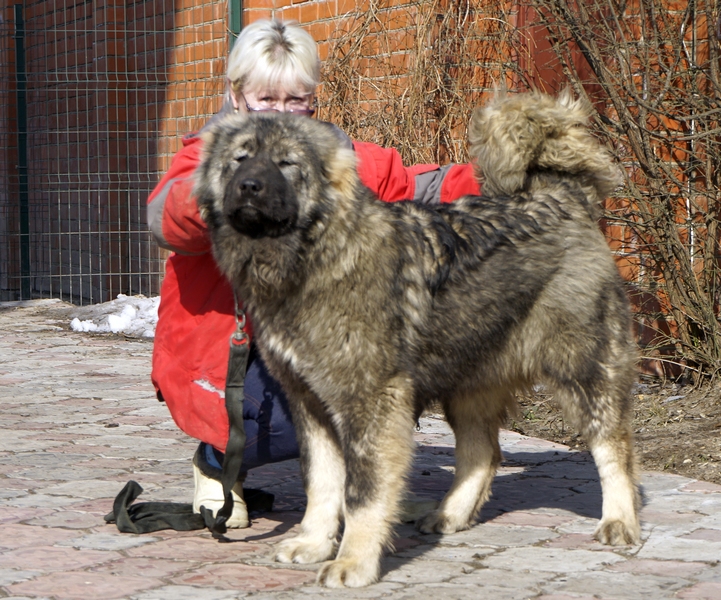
x=366, y=312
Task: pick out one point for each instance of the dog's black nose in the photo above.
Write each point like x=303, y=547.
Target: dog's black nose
x=258, y=200
x=251, y=185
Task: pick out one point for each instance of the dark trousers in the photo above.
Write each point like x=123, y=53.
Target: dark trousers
x=270, y=436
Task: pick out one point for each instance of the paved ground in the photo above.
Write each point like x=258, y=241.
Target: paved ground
x=78, y=419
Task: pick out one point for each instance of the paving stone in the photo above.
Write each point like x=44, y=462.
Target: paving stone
x=20, y=536
x=670, y=547
x=578, y=525
x=54, y=559
x=661, y=568
x=99, y=507
x=84, y=489
x=711, y=535
x=10, y=514
x=494, y=534
x=186, y=592
x=584, y=541
x=565, y=597
x=204, y=549
x=660, y=517
x=383, y=589
x=43, y=459
x=46, y=476
x=83, y=585
x=21, y=444
x=5, y=494
x=702, y=591
x=625, y=586
x=461, y=591
x=157, y=568
x=8, y=576
x=456, y=554
x=246, y=578
x=712, y=520
x=711, y=573
x=704, y=487
x=518, y=580
x=424, y=571
x=40, y=501
x=67, y=519
x=549, y=559
x=529, y=519
x=108, y=541
x=662, y=482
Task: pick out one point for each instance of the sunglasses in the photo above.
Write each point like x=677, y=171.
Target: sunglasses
x=306, y=112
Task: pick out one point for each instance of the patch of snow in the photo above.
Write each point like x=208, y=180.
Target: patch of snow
x=129, y=315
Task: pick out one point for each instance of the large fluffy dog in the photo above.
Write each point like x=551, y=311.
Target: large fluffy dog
x=367, y=311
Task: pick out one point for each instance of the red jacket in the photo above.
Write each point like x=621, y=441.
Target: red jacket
x=195, y=318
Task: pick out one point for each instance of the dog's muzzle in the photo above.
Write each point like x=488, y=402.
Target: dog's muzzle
x=259, y=201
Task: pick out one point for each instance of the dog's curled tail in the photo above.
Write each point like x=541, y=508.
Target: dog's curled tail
x=514, y=136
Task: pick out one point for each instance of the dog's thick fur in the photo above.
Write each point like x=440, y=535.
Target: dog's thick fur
x=366, y=312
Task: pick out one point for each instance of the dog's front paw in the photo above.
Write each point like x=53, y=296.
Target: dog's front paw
x=346, y=572
x=304, y=550
x=437, y=521
x=617, y=533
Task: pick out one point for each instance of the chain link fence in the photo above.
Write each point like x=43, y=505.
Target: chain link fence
x=94, y=100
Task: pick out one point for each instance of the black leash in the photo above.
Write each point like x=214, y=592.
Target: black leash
x=234, y=392
x=145, y=517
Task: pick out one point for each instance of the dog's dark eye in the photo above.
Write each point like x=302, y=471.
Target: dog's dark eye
x=286, y=163
x=240, y=157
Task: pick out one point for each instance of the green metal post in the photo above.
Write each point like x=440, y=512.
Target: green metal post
x=23, y=190
x=235, y=20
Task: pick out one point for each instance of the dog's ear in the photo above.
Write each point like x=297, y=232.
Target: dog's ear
x=208, y=135
x=205, y=186
x=218, y=126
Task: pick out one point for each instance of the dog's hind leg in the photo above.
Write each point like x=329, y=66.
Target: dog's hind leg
x=598, y=403
x=614, y=457
x=324, y=481
x=378, y=448
x=478, y=454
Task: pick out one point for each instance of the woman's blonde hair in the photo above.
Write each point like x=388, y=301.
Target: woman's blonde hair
x=274, y=54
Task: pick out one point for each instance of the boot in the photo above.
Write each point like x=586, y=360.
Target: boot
x=209, y=489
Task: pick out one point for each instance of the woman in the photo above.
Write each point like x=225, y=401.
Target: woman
x=273, y=66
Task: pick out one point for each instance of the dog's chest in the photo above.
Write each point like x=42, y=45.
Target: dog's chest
x=328, y=347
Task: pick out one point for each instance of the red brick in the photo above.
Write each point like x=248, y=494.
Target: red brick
x=290, y=13
x=308, y=12
x=326, y=10
x=252, y=15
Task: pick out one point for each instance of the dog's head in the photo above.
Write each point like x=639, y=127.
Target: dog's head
x=514, y=135
x=267, y=187
x=268, y=175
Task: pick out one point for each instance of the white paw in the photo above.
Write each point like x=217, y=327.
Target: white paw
x=438, y=522
x=618, y=533
x=305, y=550
x=348, y=573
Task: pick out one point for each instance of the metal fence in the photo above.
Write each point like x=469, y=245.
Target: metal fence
x=94, y=100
